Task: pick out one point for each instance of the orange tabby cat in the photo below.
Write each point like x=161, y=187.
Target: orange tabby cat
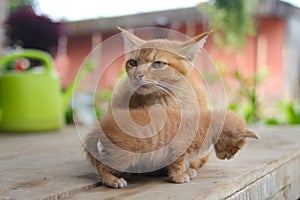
x=158, y=72
x=175, y=143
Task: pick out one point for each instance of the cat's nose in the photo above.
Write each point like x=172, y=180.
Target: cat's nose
x=139, y=75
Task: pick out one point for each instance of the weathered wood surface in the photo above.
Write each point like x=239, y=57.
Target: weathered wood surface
x=42, y=165
x=52, y=166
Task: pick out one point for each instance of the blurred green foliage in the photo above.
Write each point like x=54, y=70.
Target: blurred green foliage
x=247, y=102
x=103, y=102
x=87, y=68
x=69, y=115
x=245, y=98
x=231, y=20
x=288, y=114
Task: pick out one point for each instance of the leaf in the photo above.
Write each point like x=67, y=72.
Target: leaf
x=272, y=121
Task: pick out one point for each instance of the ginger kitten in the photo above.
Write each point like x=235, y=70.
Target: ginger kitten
x=113, y=150
x=158, y=72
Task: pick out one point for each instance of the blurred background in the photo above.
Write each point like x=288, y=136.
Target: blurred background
x=255, y=44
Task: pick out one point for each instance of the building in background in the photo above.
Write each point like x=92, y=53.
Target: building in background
x=276, y=45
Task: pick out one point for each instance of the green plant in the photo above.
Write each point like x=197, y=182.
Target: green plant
x=245, y=99
x=287, y=113
x=231, y=21
x=103, y=101
x=69, y=115
x=292, y=113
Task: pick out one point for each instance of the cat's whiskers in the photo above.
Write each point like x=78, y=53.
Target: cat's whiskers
x=176, y=91
x=169, y=93
x=165, y=91
x=168, y=85
x=165, y=88
x=162, y=87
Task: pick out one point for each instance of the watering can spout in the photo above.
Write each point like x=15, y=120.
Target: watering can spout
x=87, y=68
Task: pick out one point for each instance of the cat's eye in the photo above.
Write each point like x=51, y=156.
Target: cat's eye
x=132, y=63
x=158, y=64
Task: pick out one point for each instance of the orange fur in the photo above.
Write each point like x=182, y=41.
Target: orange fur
x=176, y=83
x=174, y=132
x=158, y=73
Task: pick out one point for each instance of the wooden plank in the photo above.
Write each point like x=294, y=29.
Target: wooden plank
x=282, y=183
x=262, y=170
x=52, y=166
x=43, y=165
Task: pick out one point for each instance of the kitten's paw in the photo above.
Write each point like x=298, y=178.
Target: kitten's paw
x=117, y=183
x=180, y=178
x=192, y=173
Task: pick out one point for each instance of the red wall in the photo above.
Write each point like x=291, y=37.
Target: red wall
x=77, y=49
x=274, y=31
x=268, y=49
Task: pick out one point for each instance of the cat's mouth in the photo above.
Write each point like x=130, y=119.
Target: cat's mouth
x=146, y=88
x=146, y=85
x=153, y=87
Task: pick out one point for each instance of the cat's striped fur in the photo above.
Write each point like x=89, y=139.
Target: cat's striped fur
x=112, y=149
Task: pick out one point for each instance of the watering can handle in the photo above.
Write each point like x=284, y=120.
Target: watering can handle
x=29, y=53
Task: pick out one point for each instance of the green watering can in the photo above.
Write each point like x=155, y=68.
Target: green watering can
x=32, y=100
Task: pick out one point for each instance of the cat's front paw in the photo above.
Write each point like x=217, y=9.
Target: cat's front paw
x=180, y=178
x=116, y=183
x=192, y=173
x=184, y=178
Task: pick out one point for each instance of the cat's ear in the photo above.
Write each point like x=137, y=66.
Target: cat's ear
x=249, y=134
x=131, y=40
x=189, y=49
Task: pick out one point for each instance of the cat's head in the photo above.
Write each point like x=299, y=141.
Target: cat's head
x=233, y=136
x=155, y=65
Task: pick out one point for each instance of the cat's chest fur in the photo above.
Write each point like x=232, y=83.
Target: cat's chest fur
x=140, y=101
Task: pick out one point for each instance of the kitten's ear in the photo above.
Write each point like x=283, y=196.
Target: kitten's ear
x=131, y=40
x=190, y=48
x=249, y=134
